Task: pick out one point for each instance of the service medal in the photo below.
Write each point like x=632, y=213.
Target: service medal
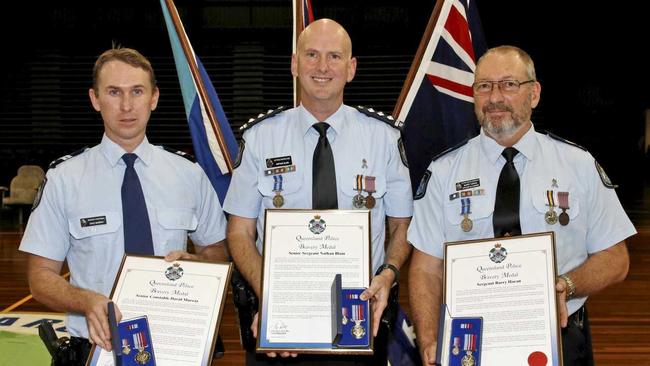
x=370, y=188
x=344, y=321
x=358, y=201
x=370, y=201
x=469, y=345
x=358, y=331
x=564, y=205
x=142, y=357
x=468, y=359
x=456, y=349
x=466, y=224
x=550, y=216
x=278, y=200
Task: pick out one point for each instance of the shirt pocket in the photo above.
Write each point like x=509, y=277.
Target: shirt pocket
x=292, y=183
x=174, y=225
x=540, y=202
x=91, y=227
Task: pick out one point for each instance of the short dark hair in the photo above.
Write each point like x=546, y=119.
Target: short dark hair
x=126, y=55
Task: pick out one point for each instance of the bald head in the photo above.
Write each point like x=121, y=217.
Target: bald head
x=326, y=28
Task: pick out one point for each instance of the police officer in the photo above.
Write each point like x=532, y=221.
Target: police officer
x=79, y=210
x=560, y=188
x=276, y=156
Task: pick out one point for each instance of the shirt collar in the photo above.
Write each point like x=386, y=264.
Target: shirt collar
x=335, y=121
x=525, y=145
x=113, y=152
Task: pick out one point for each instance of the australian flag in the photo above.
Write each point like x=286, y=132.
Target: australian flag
x=437, y=107
x=214, y=143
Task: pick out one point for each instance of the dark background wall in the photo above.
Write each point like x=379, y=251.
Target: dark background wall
x=594, y=83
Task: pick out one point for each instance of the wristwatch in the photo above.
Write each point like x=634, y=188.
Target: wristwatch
x=391, y=267
x=571, y=286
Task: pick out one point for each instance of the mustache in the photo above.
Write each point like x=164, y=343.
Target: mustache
x=496, y=107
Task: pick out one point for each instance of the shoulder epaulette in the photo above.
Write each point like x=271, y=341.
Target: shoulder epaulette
x=183, y=154
x=60, y=160
x=445, y=152
x=387, y=118
x=260, y=117
x=558, y=138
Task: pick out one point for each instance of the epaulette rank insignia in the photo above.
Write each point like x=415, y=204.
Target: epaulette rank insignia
x=390, y=120
x=261, y=117
x=183, y=154
x=60, y=160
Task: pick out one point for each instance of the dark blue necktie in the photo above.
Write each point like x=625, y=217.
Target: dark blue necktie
x=323, y=172
x=505, y=219
x=137, y=229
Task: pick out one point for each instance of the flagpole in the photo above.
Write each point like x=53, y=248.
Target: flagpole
x=298, y=27
x=199, y=83
x=417, y=60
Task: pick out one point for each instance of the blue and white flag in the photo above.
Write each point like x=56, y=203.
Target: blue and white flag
x=214, y=143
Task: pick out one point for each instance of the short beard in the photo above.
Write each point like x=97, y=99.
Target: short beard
x=505, y=128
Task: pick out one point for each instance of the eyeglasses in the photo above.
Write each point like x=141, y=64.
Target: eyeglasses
x=505, y=86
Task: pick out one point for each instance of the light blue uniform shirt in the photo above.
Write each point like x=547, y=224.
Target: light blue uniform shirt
x=179, y=197
x=597, y=220
x=354, y=137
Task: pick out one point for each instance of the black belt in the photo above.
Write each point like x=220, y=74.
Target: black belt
x=577, y=319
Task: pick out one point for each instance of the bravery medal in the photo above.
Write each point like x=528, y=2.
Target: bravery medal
x=563, y=197
x=550, y=216
x=140, y=342
x=346, y=316
x=456, y=348
x=358, y=201
x=469, y=346
x=466, y=224
x=370, y=188
x=358, y=331
x=278, y=200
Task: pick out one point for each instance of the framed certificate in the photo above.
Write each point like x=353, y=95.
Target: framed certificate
x=303, y=309
x=183, y=302
x=508, y=283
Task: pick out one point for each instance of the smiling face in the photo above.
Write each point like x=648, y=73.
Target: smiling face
x=323, y=64
x=125, y=98
x=505, y=116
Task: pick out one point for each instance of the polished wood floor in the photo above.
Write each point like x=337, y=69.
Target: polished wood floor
x=620, y=315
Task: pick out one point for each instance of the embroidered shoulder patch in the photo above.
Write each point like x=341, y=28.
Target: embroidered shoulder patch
x=39, y=194
x=402, y=152
x=240, y=153
x=603, y=177
x=422, y=188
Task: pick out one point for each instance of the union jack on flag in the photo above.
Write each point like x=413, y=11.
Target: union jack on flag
x=437, y=107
